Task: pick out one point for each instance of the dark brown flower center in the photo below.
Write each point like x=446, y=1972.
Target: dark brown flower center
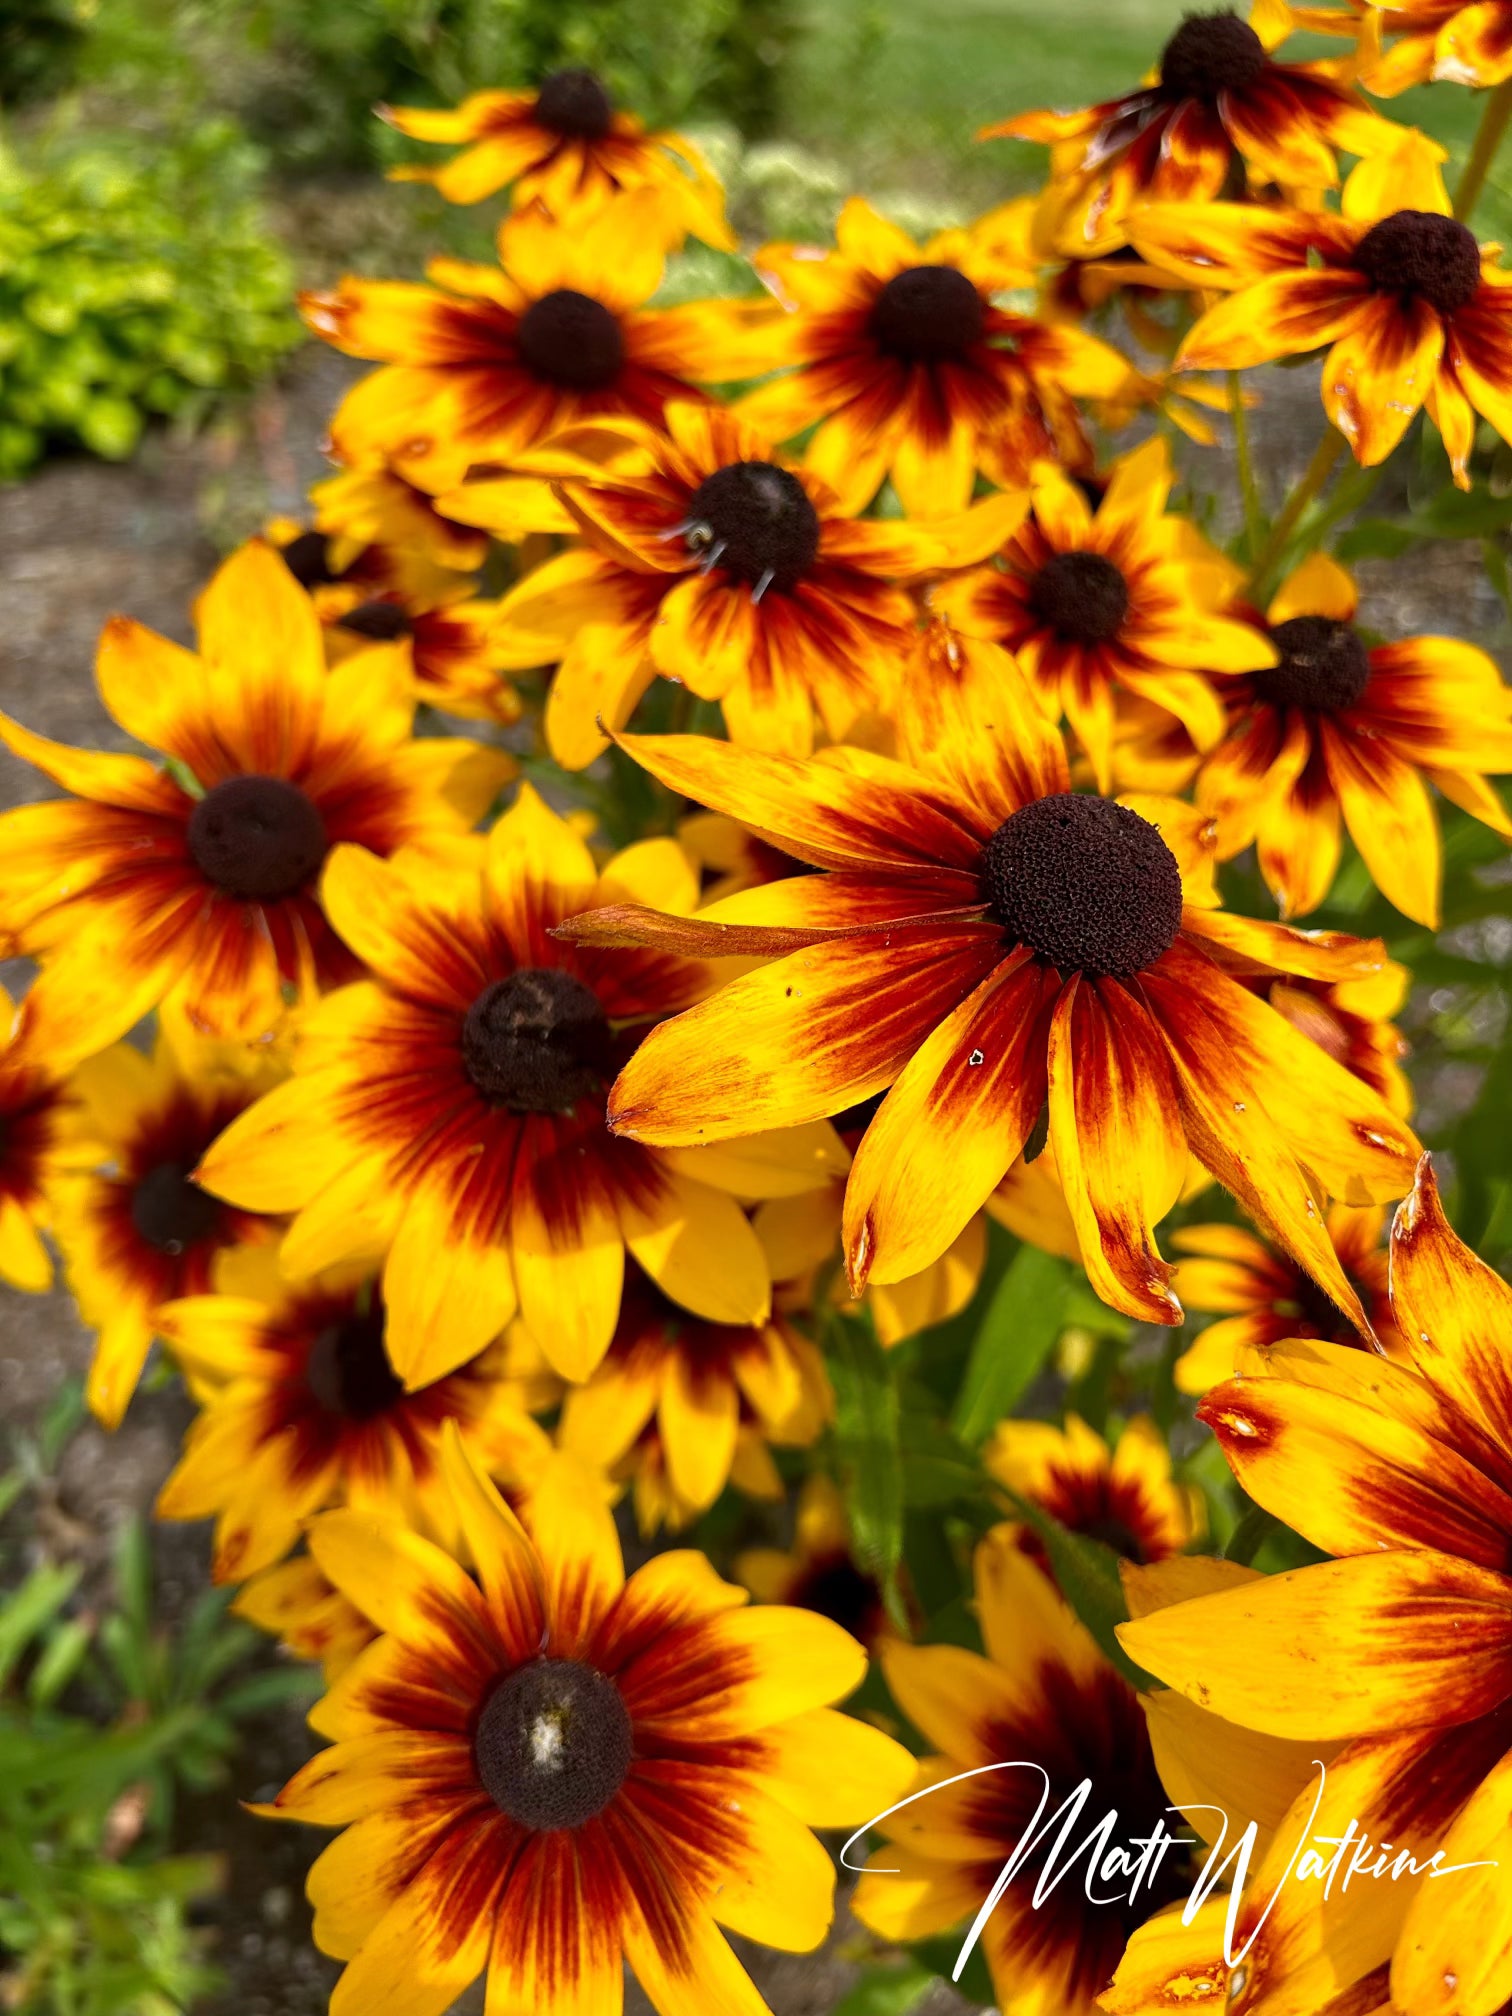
x=169, y=1212
x=1323, y=664
x=575, y=104
x=1117, y=1534
x=570, y=339
x=836, y=1588
x=1085, y=883
x=928, y=314
x=553, y=1743
x=1208, y=55
x=380, y=620
x=755, y=520
x=1081, y=596
x=537, y=1042
x=1417, y=252
x=308, y=560
x=258, y=838
x=348, y=1371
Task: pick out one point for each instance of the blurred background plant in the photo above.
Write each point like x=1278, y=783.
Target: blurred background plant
x=109, y=1716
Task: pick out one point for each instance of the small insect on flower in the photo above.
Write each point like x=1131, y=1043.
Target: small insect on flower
x=551, y=1770
x=968, y=901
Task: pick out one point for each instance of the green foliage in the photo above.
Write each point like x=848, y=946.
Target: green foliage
x=39, y=44
x=867, y=1440
x=134, y=282
x=106, y=1714
x=1018, y=1329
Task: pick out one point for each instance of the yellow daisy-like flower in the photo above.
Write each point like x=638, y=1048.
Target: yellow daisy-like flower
x=709, y=558
x=488, y=360
x=1215, y=100
x=1263, y=1297
x=1126, y=597
x=552, y=1769
x=449, y=1112
x=701, y=1384
x=1339, y=733
x=1124, y=1496
x=1411, y=310
x=819, y=1571
x=301, y=1410
x=1401, y=1471
x=39, y=1141
x=1443, y=40
x=296, y=1603
x=373, y=506
x=195, y=878
x=1351, y=1020
x=985, y=941
x=905, y=366
x=135, y=1231
x=566, y=145
x=1043, y=1696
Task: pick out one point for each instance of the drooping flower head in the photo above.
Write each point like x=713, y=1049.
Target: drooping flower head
x=372, y=506
x=1404, y=1473
x=1411, y=310
x=300, y=1410
x=1123, y=1495
x=449, y=1112
x=1340, y=733
x=982, y=940
x=911, y=369
x=295, y=1602
x=1048, y=1706
x=551, y=1770
x=1451, y=41
x=1123, y=598
x=1216, y=101
x=567, y=146
x=709, y=1390
x=196, y=877
x=712, y=559
x=486, y=361
x=1263, y=1297
x=134, y=1229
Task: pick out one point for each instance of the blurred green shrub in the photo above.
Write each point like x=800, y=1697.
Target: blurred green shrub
x=136, y=280
x=39, y=43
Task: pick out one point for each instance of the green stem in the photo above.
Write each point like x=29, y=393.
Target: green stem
x=1313, y=478
x=1254, y=516
x=1498, y=110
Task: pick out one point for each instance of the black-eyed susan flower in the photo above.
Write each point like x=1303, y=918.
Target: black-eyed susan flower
x=1402, y=1472
x=715, y=561
x=488, y=360
x=1261, y=1296
x=40, y=1139
x=1342, y=734
x=566, y=145
x=134, y=1229
x=551, y=1770
x=1123, y=1495
x=701, y=1384
x=983, y=940
x=372, y=506
x=1215, y=102
x=819, y=1570
x=1351, y=1020
x=449, y=1112
x=905, y=365
x=297, y=1604
x=1048, y=1707
x=301, y=1410
x=1444, y=41
x=1411, y=310
x=1124, y=598
x=195, y=877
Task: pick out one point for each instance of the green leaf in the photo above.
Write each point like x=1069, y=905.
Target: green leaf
x=32, y=1607
x=1087, y=1573
x=1022, y=1322
x=888, y=1989
x=866, y=1438
x=1250, y=1535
